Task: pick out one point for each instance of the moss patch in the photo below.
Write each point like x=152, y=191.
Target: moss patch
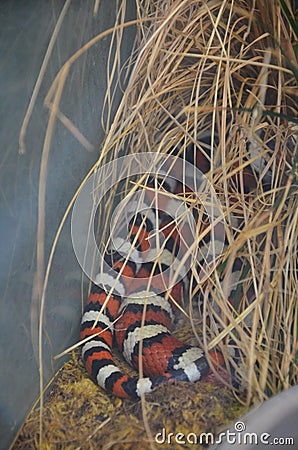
x=79, y=415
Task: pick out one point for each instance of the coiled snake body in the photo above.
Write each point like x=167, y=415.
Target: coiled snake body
x=138, y=317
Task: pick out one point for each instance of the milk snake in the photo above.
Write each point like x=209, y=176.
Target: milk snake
x=137, y=317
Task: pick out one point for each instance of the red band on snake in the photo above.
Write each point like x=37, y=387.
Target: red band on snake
x=139, y=319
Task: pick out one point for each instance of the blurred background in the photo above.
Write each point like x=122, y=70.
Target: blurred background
x=26, y=31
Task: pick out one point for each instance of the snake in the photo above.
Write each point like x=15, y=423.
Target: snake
x=138, y=319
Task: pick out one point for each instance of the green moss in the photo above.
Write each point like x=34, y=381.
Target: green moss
x=78, y=414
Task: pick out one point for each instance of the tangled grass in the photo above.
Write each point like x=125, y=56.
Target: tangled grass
x=221, y=76
x=228, y=70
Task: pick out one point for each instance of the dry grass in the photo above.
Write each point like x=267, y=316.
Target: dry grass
x=222, y=68
x=226, y=69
